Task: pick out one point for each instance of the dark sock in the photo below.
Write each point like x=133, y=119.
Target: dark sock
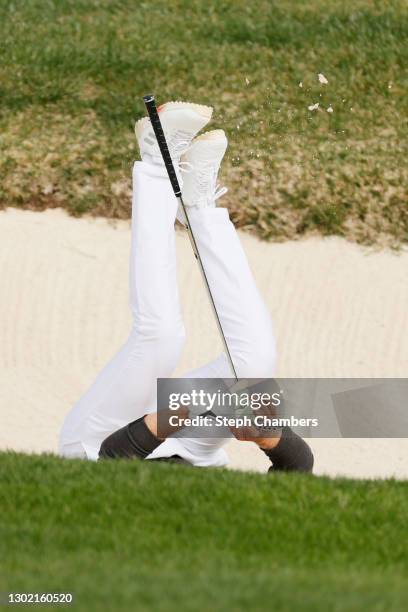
x=135, y=440
x=291, y=454
x=172, y=459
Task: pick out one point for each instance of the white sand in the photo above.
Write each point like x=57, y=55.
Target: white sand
x=338, y=309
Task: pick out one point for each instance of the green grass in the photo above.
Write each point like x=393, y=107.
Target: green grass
x=72, y=73
x=137, y=536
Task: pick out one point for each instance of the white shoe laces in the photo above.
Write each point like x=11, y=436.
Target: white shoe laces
x=177, y=149
x=219, y=191
x=177, y=145
x=207, y=187
x=207, y=174
x=186, y=167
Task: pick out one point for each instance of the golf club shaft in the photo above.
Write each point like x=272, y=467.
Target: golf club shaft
x=168, y=162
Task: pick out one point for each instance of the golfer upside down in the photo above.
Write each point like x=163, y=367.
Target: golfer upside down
x=116, y=417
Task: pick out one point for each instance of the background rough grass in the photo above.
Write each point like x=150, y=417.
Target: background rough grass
x=134, y=536
x=73, y=71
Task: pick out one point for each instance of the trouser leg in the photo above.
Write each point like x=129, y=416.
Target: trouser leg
x=126, y=387
x=244, y=318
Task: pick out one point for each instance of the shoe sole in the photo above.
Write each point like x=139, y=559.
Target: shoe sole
x=210, y=135
x=201, y=109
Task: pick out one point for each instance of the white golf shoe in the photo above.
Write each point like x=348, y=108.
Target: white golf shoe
x=201, y=163
x=181, y=121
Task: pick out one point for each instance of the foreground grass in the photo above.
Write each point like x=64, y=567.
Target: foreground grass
x=125, y=536
x=73, y=71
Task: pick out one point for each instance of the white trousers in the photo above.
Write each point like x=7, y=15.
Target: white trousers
x=126, y=388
